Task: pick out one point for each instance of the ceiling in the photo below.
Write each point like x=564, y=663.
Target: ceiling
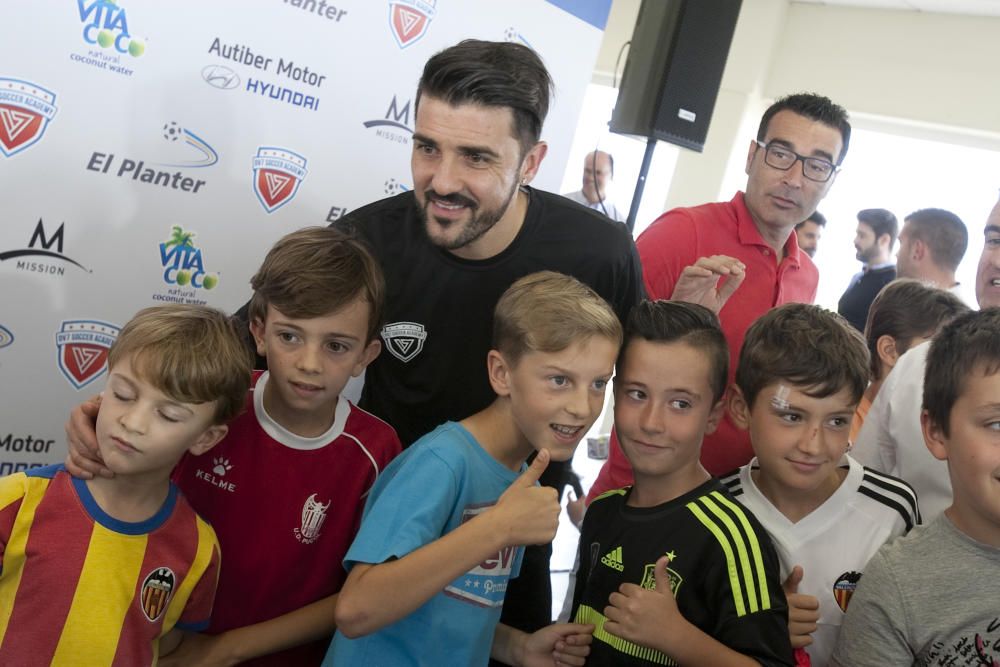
x=966, y=7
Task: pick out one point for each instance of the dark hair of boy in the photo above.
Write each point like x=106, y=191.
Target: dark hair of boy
x=315, y=271
x=804, y=345
x=492, y=74
x=812, y=106
x=968, y=344
x=906, y=309
x=663, y=321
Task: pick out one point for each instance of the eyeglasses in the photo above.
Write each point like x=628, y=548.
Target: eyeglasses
x=813, y=168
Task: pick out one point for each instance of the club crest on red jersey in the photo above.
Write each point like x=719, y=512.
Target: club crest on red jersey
x=25, y=111
x=155, y=593
x=404, y=340
x=277, y=174
x=409, y=19
x=313, y=516
x=83, y=347
x=844, y=587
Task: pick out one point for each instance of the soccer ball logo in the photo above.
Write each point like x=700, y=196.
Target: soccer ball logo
x=172, y=131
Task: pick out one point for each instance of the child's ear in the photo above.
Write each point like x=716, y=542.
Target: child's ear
x=372, y=350
x=499, y=373
x=887, y=353
x=257, y=331
x=738, y=408
x=210, y=438
x=934, y=437
x=715, y=416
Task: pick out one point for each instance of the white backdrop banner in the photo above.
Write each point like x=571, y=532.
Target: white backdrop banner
x=152, y=152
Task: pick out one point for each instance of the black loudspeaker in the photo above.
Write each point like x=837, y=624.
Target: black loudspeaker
x=674, y=68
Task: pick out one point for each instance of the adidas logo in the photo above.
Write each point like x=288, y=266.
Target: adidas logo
x=613, y=559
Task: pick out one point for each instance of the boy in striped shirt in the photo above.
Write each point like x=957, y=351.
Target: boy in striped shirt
x=106, y=571
x=672, y=570
x=801, y=373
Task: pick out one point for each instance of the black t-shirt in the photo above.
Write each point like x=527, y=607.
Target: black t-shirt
x=724, y=573
x=856, y=301
x=438, y=322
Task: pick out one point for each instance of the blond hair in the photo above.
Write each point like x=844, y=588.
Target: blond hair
x=193, y=354
x=548, y=312
x=315, y=271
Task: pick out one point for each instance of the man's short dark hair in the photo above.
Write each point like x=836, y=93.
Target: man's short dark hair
x=969, y=344
x=803, y=345
x=816, y=217
x=492, y=74
x=816, y=107
x=943, y=232
x=664, y=321
x=881, y=221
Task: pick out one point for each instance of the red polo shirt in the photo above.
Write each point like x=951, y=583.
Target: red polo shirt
x=677, y=239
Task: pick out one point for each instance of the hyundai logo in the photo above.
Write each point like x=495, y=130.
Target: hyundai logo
x=220, y=76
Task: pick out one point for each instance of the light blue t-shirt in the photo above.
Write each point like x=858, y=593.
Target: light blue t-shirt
x=441, y=481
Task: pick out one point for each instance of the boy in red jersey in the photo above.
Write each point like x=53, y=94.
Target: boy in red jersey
x=106, y=571
x=285, y=490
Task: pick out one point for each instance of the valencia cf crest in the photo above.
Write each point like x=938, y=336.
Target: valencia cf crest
x=277, y=174
x=25, y=111
x=156, y=590
x=83, y=349
x=409, y=19
x=843, y=589
x=404, y=340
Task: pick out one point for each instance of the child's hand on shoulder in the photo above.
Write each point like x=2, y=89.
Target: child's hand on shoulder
x=527, y=513
x=803, y=610
x=648, y=617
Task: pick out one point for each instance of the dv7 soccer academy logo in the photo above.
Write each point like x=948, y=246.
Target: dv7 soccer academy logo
x=277, y=174
x=409, y=19
x=25, y=111
x=82, y=347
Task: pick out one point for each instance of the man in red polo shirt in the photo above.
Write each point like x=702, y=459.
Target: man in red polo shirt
x=745, y=248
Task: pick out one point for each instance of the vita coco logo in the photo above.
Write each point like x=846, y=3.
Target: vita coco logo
x=106, y=24
x=183, y=266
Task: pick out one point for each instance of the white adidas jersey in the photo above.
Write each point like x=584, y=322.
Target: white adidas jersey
x=835, y=541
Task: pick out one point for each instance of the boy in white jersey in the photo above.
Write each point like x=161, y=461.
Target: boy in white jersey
x=801, y=373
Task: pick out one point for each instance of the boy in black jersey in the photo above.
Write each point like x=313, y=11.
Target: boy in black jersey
x=672, y=570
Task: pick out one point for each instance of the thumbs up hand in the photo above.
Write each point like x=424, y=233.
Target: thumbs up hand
x=646, y=617
x=528, y=513
x=803, y=610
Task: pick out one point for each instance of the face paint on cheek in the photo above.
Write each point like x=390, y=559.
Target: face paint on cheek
x=780, y=399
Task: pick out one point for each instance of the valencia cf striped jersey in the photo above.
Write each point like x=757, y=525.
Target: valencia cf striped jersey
x=834, y=542
x=723, y=573
x=79, y=587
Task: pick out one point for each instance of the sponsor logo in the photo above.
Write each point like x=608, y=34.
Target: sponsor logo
x=221, y=76
x=25, y=111
x=28, y=443
x=106, y=29
x=409, y=19
x=313, y=516
x=613, y=559
x=277, y=174
x=395, y=126
x=183, y=269
x=512, y=34
x=486, y=584
x=319, y=9
x=844, y=587
x=394, y=187
x=40, y=246
x=221, y=465
x=404, y=340
x=82, y=347
x=11, y=467
x=336, y=213
x=156, y=590
x=183, y=150
x=6, y=337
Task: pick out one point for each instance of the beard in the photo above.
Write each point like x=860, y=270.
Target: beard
x=481, y=220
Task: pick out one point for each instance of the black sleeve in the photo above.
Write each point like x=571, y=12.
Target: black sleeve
x=583, y=564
